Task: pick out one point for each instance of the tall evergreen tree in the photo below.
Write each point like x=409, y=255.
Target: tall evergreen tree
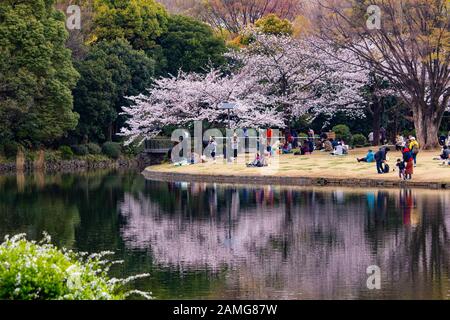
x=36, y=73
x=111, y=71
x=191, y=45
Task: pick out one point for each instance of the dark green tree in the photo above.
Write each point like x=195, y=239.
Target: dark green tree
x=112, y=71
x=191, y=45
x=141, y=22
x=36, y=73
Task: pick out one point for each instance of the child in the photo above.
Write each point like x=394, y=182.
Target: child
x=401, y=169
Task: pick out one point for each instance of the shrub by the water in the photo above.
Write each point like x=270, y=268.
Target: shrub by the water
x=32, y=270
x=80, y=150
x=112, y=149
x=66, y=152
x=94, y=148
x=359, y=140
x=51, y=156
x=133, y=149
x=343, y=132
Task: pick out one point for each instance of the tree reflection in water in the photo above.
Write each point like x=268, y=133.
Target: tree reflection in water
x=295, y=242
x=224, y=241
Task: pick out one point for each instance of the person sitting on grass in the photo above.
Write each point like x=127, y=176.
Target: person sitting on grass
x=287, y=148
x=345, y=147
x=338, y=150
x=445, y=155
x=328, y=146
x=305, y=148
x=258, y=161
x=401, y=169
x=370, y=157
x=334, y=143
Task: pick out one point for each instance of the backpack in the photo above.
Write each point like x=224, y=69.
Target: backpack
x=386, y=168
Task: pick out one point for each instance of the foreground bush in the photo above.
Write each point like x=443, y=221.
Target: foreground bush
x=112, y=149
x=40, y=271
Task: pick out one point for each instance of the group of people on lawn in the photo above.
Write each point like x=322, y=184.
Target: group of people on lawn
x=308, y=146
x=405, y=165
x=408, y=147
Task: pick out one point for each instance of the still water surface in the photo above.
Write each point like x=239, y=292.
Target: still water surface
x=211, y=241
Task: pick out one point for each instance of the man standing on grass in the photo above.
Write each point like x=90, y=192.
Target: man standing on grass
x=380, y=158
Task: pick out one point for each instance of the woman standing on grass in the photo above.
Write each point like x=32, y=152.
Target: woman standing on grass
x=409, y=161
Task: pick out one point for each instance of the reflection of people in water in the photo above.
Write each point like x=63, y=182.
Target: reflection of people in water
x=269, y=195
x=259, y=195
x=212, y=200
x=382, y=201
x=407, y=204
x=370, y=202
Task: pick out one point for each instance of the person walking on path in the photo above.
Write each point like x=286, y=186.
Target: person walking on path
x=414, y=147
x=380, y=158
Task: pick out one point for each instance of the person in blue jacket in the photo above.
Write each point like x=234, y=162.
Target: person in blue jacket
x=370, y=157
x=380, y=158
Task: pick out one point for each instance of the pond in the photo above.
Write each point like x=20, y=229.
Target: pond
x=212, y=241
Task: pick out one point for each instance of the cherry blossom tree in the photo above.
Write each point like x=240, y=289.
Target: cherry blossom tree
x=272, y=81
x=192, y=97
x=304, y=76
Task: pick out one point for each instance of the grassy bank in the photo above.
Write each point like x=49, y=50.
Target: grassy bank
x=318, y=165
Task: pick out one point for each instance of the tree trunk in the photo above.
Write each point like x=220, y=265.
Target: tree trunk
x=427, y=123
x=377, y=107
